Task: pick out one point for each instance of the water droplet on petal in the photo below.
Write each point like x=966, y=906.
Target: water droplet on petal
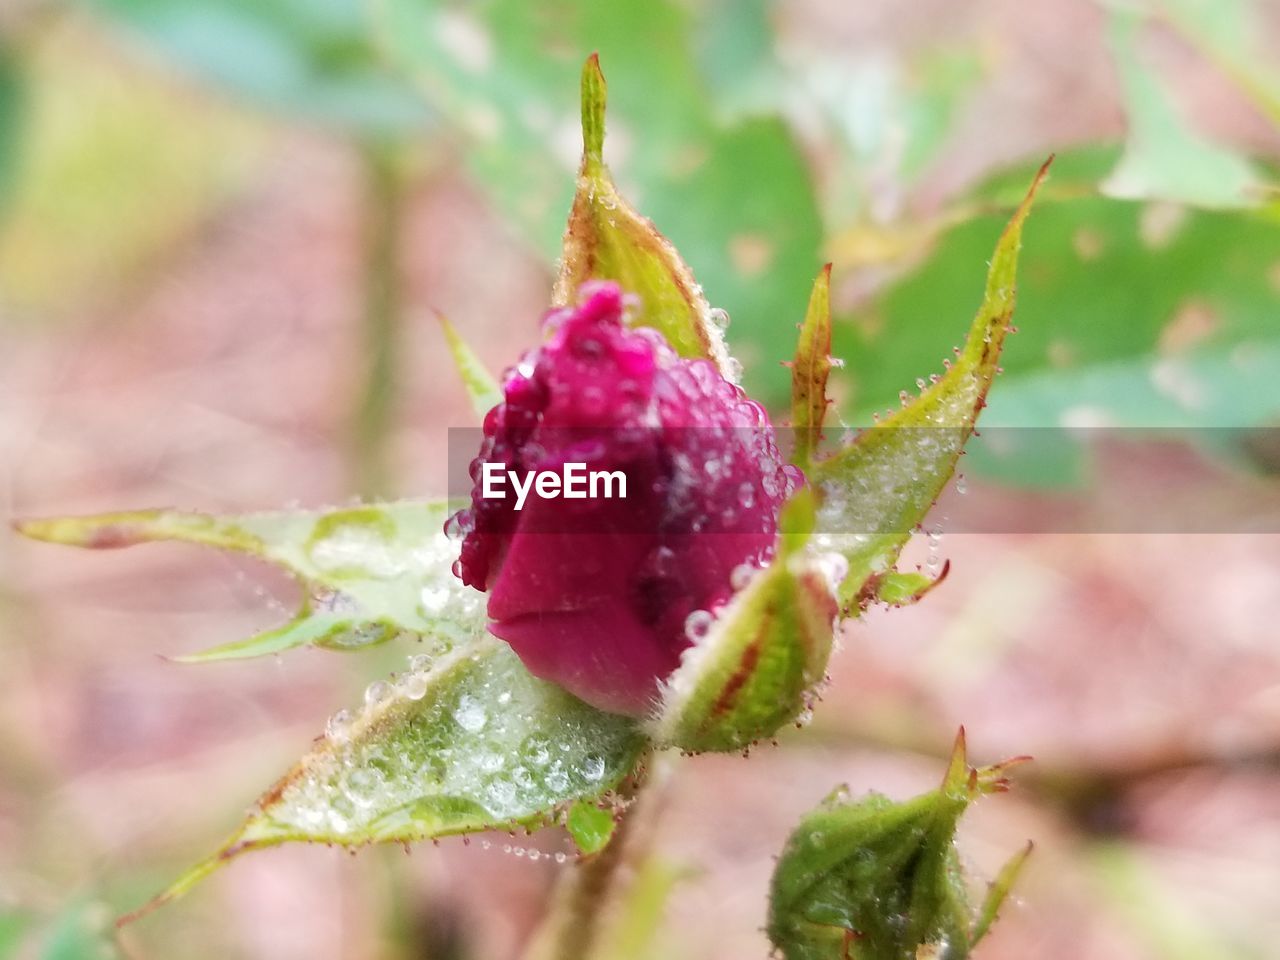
x=698, y=624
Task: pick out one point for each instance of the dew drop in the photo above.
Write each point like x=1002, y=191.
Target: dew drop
x=376, y=692
x=434, y=598
x=338, y=729
x=593, y=769
x=470, y=714
x=742, y=575
x=698, y=624
x=720, y=318
x=414, y=686
x=834, y=567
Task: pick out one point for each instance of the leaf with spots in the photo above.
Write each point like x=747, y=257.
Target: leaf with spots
x=880, y=487
x=1131, y=314
x=368, y=573
x=473, y=742
x=886, y=876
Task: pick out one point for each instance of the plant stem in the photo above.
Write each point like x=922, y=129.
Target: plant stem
x=583, y=892
x=385, y=182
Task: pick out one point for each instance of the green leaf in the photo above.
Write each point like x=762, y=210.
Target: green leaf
x=1163, y=159
x=878, y=488
x=368, y=573
x=606, y=239
x=884, y=875
x=1130, y=315
x=590, y=825
x=760, y=660
x=472, y=743
x=736, y=200
x=747, y=222
x=809, y=372
x=310, y=60
x=13, y=107
x=902, y=589
x=482, y=388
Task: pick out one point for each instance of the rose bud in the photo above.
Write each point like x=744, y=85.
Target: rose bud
x=601, y=595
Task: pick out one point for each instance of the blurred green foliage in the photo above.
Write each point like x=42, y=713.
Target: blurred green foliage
x=303, y=59
x=1155, y=312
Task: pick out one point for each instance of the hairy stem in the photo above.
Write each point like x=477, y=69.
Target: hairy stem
x=385, y=185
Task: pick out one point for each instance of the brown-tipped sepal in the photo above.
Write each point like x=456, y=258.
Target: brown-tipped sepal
x=606, y=239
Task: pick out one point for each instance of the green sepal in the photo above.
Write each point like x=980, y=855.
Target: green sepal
x=368, y=573
x=810, y=370
x=472, y=743
x=877, y=880
x=482, y=389
x=606, y=239
x=758, y=665
x=879, y=488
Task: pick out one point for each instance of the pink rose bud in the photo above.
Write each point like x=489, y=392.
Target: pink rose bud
x=601, y=594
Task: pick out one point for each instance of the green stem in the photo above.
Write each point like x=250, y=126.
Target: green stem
x=371, y=430
x=584, y=891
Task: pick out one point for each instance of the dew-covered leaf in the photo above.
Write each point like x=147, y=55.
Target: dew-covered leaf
x=756, y=666
x=809, y=371
x=606, y=239
x=471, y=742
x=880, y=486
x=482, y=388
x=1163, y=158
x=884, y=875
x=367, y=573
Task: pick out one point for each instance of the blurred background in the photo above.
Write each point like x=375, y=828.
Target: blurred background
x=225, y=226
